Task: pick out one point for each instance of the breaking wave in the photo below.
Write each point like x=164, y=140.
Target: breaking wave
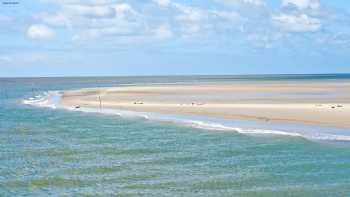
x=46, y=99
x=51, y=100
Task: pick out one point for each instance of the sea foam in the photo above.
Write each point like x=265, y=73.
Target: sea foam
x=48, y=99
x=51, y=99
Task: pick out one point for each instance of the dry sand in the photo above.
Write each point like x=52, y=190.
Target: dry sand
x=312, y=102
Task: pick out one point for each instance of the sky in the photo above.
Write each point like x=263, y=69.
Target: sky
x=173, y=37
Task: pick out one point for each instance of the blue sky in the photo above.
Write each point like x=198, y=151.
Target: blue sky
x=162, y=37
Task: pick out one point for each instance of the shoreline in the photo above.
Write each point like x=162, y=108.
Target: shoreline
x=319, y=103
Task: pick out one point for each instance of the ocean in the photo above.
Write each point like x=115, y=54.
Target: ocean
x=46, y=150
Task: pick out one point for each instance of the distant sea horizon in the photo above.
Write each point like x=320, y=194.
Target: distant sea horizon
x=272, y=75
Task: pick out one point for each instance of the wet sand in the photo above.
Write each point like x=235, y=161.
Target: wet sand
x=311, y=102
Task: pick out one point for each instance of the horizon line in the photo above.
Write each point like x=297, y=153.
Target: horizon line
x=173, y=75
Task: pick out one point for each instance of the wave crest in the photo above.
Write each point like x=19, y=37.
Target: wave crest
x=51, y=100
x=48, y=99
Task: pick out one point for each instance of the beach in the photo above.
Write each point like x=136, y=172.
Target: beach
x=316, y=102
x=173, y=137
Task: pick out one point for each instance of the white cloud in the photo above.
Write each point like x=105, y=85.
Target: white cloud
x=79, y=10
x=190, y=15
x=84, y=2
x=93, y=11
x=126, y=12
x=227, y=15
x=243, y=2
x=191, y=20
x=156, y=20
x=302, y=4
x=254, y=2
x=87, y=20
x=162, y=3
x=82, y=16
x=110, y=31
x=163, y=32
x=59, y=19
x=297, y=23
x=40, y=32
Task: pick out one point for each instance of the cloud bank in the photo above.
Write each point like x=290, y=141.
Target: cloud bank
x=191, y=25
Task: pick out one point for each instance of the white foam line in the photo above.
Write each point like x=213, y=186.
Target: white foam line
x=47, y=99
x=221, y=127
x=51, y=100
x=193, y=123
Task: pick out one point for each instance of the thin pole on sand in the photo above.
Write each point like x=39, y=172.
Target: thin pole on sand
x=99, y=98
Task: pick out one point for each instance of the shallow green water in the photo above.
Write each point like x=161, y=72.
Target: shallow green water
x=61, y=153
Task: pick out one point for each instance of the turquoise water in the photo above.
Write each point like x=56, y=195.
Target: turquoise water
x=55, y=152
